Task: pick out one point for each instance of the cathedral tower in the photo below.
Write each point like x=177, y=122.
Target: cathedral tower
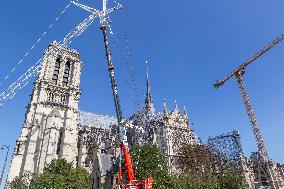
x=49, y=130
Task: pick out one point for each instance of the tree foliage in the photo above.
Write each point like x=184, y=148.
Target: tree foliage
x=59, y=174
x=19, y=183
x=48, y=180
x=196, y=159
x=191, y=181
x=231, y=180
x=197, y=165
x=149, y=161
x=202, y=168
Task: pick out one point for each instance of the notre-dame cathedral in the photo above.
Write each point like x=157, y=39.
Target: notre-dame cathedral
x=54, y=127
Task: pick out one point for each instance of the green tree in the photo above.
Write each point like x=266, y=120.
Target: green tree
x=78, y=179
x=149, y=161
x=59, y=166
x=48, y=181
x=59, y=174
x=19, y=183
x=202, y=168
x=231, y=180
x=196, y=159
x=190, y=181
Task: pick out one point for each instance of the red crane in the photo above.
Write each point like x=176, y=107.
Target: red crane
x=131, y=181
x=124, y=149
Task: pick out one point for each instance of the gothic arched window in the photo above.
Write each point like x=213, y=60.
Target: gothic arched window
x=56, y=71
x=66, y=74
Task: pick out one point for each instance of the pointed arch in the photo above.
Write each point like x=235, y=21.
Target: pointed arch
x=54, y=113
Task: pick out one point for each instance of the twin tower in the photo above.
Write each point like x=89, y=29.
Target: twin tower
x=50, y=127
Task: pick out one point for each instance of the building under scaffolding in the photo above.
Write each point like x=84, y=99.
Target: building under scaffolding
x=228, y=145
x=254, y=170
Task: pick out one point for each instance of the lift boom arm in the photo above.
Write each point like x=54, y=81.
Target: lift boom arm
x=122, y=129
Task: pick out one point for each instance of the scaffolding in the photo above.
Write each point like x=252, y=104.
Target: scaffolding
x=228, y=145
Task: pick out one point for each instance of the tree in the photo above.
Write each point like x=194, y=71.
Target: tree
x=196, y=159
x=19, y=183
x=191, y=181
x=231, y=180
x=202, y=168
x=59, y=174
x=58, y=166
x=48, y=180
x=78, y=179
x=149, y=161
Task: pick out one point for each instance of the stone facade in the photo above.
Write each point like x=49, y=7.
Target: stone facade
x=49, y=129
x=174, y=133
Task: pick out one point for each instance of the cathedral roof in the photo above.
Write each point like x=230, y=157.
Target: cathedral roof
x=96, y=120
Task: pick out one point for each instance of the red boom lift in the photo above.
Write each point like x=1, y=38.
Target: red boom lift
x=131, y=181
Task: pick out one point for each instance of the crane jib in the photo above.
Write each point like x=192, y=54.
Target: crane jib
x=250, y=60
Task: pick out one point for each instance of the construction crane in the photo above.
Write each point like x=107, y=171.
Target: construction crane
x=124, y=147
x=238, y=73
x=5, y=161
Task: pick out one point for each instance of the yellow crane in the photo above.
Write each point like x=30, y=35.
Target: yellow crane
x=238, y=73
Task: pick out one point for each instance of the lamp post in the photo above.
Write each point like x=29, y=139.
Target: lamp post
x=5, y=161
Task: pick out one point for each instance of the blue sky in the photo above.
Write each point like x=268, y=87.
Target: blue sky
x=189, y=45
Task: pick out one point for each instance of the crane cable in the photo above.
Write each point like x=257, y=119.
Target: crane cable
x=36, y=43
x=126, y=61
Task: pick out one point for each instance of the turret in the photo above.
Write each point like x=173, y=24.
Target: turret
x=165, y=114
x=185, y=117
x=175, y=118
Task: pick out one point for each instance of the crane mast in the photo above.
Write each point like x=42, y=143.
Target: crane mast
x=251, y=115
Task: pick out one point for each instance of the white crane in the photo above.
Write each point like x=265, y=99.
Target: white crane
x=24, y=79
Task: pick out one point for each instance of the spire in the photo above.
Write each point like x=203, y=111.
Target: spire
x=185, y=116
x=165, y=108
x=176, y=106
x=165, y=113
x=149, y=100
x=184, y=112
